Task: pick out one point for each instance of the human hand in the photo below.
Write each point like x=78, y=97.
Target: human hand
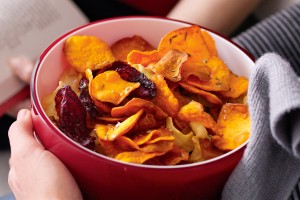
x=35, y=173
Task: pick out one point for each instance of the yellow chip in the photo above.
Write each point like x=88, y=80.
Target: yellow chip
x=194, y=112
x=233, y=127
x=124, y=46
x=110, y=87
x=87, y=52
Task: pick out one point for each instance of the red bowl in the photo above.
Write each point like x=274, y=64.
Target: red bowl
x=100, y=177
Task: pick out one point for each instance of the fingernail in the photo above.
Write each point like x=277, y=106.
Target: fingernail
x=15, y=62
x=22, y=113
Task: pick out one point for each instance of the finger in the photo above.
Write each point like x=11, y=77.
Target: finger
x=22, y=66
x=21, y=133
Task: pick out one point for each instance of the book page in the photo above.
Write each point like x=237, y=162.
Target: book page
x=27, y=28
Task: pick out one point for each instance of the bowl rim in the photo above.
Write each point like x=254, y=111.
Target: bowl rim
x=38, y=110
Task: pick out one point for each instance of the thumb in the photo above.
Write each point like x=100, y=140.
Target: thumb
x=22, y=67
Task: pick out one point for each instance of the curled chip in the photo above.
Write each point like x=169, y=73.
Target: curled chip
x=124, y=46
x=207, y=95
x=238, y=87
x=87, y=52
x=194, y=112
x=219, y=77
x=135, y=105
x=110, y=87
x=112, y=132
x=170, y=65
x=233, y=127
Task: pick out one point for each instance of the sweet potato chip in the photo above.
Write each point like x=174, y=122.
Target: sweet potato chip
x=210, y=43
x=233, y=127
x=110, y=87
x=87, y=52
x=194, y=112
x=137, y=157
x=162, y=134
x=175, y=156
x=188, y=40
x=111, y=132
x=126, y=143
x=147, y=122
x=219, y=77
x=196, y=69
x=136, y=104
x=143, y=58
x=165, y=99
x=161, y=147
x=207, y=95
x=238, y=86
x=169, y=66
x=124, y=46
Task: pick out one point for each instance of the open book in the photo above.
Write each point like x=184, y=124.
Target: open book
x=27, y=28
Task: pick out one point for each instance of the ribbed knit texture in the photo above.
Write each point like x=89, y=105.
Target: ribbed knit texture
x=270, y=167
x=279, y=33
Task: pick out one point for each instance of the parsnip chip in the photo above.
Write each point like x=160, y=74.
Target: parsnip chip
x=170, y=64
x=124, y=46
x=183, y=141
x=238, y=86
x=233, y=127
x=87, y=52
x=219, y=77
x=207, y=95
x=188, y=40
x=111, y=132
x=165, y=98
x=194, y=112
x=110, y=87
x=136, y=104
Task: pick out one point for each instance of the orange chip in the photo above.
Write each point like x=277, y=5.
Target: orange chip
x=87, y=52
x=188, y=40
x=124, y=46
x=137, y=157
x=157, y=135
x=238, y=87
x=175, y=156
x=160, y=147
x=165, y=98
x=146, y=122
x=126, y=143
x=111, y=132
x=207, y=95
x=170, y=64
x=194, y=112
x=135, y=105
x=210, y=43
x=109, y=148
x=233, y=126
x=219, y=77
x=112, y=119
x=110, y=87
x=143, y=57
x=196, y=69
